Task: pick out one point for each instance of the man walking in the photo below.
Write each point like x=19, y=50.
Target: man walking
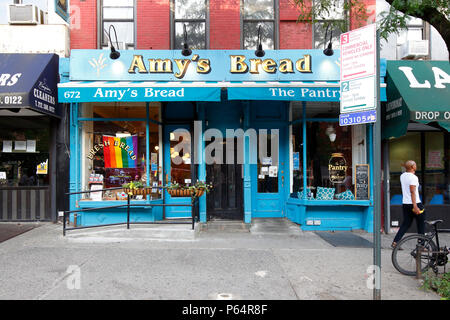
x=412, y=206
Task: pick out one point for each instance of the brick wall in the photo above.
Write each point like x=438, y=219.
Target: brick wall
x=153, y=24
x=293, y=34
x=225, y=24
x=83, y=31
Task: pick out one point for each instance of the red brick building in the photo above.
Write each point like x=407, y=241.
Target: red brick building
x=222, y=24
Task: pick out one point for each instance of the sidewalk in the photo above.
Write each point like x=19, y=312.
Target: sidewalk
x=258, y=263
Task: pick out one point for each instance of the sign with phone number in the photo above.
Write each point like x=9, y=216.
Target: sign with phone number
x=348, y=119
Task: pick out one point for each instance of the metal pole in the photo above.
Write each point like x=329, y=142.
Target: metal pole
x=128, y=211
x=192, y=210
x=64, y=224
x=418, y=261
x=377, y=179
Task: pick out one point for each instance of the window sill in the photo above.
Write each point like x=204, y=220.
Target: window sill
x=105, y=203
x=363, y=203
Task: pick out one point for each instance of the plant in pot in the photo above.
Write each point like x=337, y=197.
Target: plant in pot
x=175, y=190
x=200, y=188
x=135, y=188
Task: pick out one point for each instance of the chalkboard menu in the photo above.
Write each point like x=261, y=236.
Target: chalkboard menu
x=362, y=182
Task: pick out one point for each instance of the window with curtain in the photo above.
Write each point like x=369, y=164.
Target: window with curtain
x=258, y=13
x=120, y=14
x=330, y=24
x=191, y=13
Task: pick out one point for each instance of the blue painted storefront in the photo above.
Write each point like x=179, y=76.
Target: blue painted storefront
x=232, y=110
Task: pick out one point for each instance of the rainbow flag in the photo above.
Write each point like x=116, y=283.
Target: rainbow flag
x=120, y=152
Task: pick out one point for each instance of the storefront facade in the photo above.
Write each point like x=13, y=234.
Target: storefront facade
x=29, y=120
x=258, y=129
x=416, y=121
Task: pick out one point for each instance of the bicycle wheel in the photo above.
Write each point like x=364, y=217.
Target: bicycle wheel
x=404, y=254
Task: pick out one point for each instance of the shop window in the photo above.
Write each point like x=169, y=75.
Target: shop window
x=435, y=177
x=332, y=152
x=180, y=156
x=191, y=13
x=429, y=151
x=330, y=24
x=268, y=152
x=402, y=149
x=258, y=13
x=120, y=14
x=115, y=147
x=24, y=151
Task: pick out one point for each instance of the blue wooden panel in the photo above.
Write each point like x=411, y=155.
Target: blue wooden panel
x=116, y=215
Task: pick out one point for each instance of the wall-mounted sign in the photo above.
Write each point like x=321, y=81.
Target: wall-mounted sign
x=348, y=119
x=337, y=168
x=62, y=9
x=204, y=65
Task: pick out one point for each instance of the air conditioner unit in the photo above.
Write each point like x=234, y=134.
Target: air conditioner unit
x=25, y=14
x=414, y=49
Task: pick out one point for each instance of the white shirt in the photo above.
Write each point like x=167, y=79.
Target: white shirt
x=409, y=179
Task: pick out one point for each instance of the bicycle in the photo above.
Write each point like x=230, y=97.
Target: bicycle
x=431, y=254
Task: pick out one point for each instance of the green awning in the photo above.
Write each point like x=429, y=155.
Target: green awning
x=417, y=91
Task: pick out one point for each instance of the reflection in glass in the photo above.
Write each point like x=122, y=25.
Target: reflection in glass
x=196, y=38
x=322, y=37
x=251, y=35
x=258, y=9
x=190, y=9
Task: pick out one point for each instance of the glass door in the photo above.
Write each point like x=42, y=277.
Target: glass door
x=178, y=167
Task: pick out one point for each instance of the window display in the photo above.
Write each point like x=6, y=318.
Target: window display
x=429, y=152
x=115, y=148
x=24, y=152
x=332, y=152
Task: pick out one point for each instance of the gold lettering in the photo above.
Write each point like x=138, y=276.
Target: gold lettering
x=159, y=65
x=137, y=62
x=182, y=67
x=269, y=66
x=254, y=63
x=286, y=66
x=203, y=66
x=238, y=65
x=304, y=65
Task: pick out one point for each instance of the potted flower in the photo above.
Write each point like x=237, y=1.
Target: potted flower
x=200, y=188
x=175, y=190
x=135, y=188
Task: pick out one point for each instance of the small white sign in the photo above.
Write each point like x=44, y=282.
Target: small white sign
x=273, y=171
x=2, y=175
x=358, y=95
x=358, y=53
x=20, y=145
x=266, y=161
x=31, y=145
x=7, y=146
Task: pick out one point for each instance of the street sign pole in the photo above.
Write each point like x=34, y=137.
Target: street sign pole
x=377, y=179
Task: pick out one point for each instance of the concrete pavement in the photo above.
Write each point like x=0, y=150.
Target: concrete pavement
x=257, y=263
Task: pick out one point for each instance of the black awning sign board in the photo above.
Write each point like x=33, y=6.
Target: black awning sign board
x=29, y=81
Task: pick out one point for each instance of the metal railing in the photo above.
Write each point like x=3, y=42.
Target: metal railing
x=128, y=205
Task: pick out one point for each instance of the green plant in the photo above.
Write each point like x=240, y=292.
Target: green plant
x=438, y=283
x=133, y=185
x=173, y=185
x=203, y=185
